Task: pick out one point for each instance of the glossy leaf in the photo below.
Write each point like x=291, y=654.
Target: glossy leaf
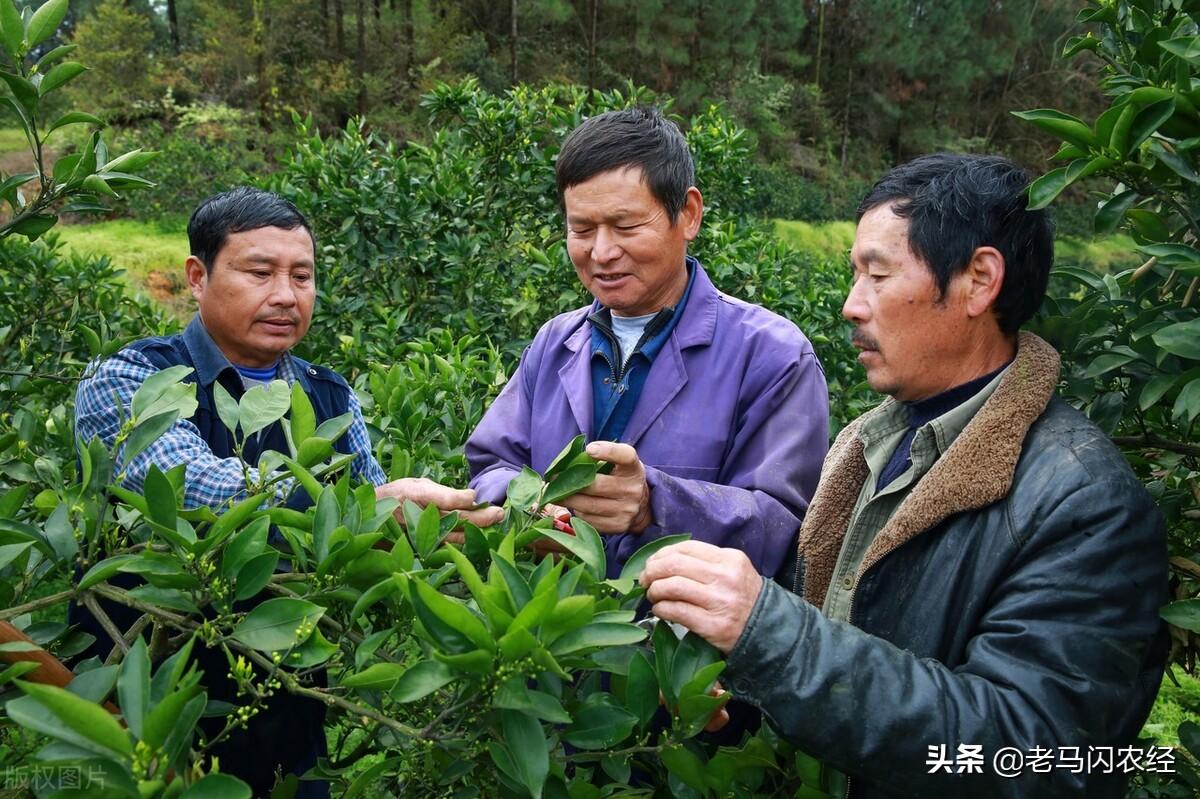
x=420, y=680
x=277, y=624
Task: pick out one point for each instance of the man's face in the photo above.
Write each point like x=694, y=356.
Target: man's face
x=258, y=301
x=913, y=345
x=623, y=245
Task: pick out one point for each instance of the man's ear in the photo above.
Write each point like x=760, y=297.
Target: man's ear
x=692, y=213
x=985, y=274
x=197, y=276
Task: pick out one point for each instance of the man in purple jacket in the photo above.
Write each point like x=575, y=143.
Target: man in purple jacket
x=713, y=411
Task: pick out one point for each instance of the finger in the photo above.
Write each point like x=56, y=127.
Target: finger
x=717, y=720
x=619, y=455
x=456, y=538
x=682, y=564
x=627, y=488
x=699, y=550
x=483, y=517
x=682, y=589
x=424, y=492
x=585, y=505
x=554, y=511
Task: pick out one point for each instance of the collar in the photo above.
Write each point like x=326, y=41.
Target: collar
x=695, y=328
x=210, y=363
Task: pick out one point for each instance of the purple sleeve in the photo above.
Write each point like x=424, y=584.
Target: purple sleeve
x=500, y=444
x=765, y=484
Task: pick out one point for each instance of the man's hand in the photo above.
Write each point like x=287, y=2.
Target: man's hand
x=424, y=491
x=707, y=589
x=618, y=502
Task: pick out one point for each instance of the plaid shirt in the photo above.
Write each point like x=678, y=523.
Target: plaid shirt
x=104, y=398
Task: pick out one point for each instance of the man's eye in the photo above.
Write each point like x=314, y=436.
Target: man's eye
x=302, y=277
x=261, y=273
x=629, y=227
x=581, y=231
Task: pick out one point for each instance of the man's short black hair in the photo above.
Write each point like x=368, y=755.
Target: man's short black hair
x=957, y=203
x=636, y=137
x=235, y=211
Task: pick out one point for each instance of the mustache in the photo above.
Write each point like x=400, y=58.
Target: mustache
x=290, y=316
x=862, y=340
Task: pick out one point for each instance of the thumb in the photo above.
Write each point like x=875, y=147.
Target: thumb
x=622, y=456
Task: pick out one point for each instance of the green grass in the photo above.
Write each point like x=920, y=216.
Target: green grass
x=137, y=247
x=12, y=140
x=1175, y=704
x=834, y=239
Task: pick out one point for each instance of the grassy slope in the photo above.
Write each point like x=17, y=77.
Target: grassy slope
x=1112, y=254
x=137, y=247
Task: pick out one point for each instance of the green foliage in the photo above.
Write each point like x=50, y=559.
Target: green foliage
x=1128, y=340
x=464, y=232
x=116, y=41
x=203, y=149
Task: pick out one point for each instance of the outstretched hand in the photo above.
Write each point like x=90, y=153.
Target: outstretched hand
x=424, y=491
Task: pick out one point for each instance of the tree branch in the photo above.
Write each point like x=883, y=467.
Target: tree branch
x=1155, y=441
x=118, y=637
x=37, y=604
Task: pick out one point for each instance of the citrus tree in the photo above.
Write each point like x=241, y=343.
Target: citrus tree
x=1131, y=341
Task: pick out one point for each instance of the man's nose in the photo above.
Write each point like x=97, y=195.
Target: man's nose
x=855, y=308
x=604, y=246
x=282, y=291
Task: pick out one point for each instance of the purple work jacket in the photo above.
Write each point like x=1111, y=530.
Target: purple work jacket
x=732, y=424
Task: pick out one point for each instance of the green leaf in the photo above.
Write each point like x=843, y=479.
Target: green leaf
x=12, y=31
x=422, y=679
x=1106, y=362
x=45, y=21
x=1147, y=121
x=303, y=418
x=427, y=536
x=1064, y=126
x=637, y=561
x=160, y=498
x=586, y=545
x=231, y=520
x=10, y=552
x=60, y=533
x=1187, y=404
x=526, y=742
x=66, y=717
x=524, y=489
x=32, y=227
x=227, y=408
x=376, y=677
x=62, y=51
x=276, y=624
x=217, y=786
x=163, y=391
x=569, y=453
x=133, y=684
x=570, y=481
x=1043, y=190
x=105, y=568
x=1154, y=390
x=599, y=724
x=60, y=74
x=513, y=694
x=248, y=543
x=641, y=689
x=1181, y=338
x=453, y=627
x=262, y=406
x=24, y=91
x=253, y=577
x=1112, y=211
x=496, y=615
x=1174, y=162
x=74, y=118
x=597, y=635
x=315, y=650
x=1186, y=47
x=686, y=766
x=1184, y=613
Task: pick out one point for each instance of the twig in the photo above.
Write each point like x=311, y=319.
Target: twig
x=118, y=638
x=327, y=699
x=130, y=636
x=1153, y=441
x=62, y=378
x=37, y=604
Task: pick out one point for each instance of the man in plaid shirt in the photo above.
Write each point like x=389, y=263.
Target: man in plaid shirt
x=252, y=271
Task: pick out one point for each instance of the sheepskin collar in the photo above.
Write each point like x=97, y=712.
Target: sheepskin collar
x=974, y=472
